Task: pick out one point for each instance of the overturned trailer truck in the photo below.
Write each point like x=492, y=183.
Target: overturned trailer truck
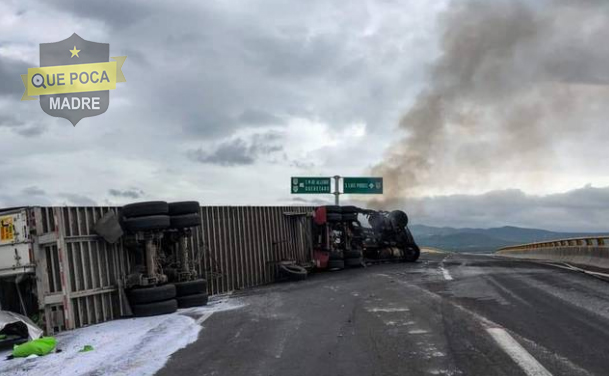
x=348, y=236
x=70, y=267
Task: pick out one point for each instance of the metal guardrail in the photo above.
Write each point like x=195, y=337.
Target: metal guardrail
x=596, y=241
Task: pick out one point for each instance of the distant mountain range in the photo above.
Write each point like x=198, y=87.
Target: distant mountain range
x=483, y=240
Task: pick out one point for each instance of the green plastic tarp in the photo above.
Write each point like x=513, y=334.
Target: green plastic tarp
x=40, y=346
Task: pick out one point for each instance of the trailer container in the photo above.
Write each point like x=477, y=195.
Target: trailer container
x=77, y=275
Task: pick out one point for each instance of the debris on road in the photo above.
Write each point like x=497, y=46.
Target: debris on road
x=136, y=346
x=14, y=324
x=39, y=347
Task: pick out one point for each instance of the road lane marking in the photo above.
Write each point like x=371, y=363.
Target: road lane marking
x=446, y=274
x=529, y=365
x=486, y=323
x=388, y=309
x=204, y=317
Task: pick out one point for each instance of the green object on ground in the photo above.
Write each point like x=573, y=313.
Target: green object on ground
x=86, y=348
x=40, y=346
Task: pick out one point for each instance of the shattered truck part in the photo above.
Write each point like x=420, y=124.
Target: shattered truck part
x=19, y=324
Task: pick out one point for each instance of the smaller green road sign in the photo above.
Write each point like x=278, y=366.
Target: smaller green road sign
x=311, y=185
x=363, y=185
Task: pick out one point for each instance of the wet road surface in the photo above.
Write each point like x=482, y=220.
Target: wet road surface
x=448, y=314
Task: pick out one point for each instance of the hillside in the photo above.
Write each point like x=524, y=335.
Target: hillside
x=482, y=240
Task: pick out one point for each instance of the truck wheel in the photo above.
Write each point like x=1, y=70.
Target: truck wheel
x=336, y=264
x=333, y=209
x=145, y=295
x=399, y=218
x=336, y=256
x=142, y=209
x=349, y=209
x=184, y=207
x=153, y=309
x=334, y=217
x=195, y=300
x=294, y=272
x=411, y=254
x=349, y=217
x=185, y=220
x=198, y=286
x=149, y=223
x=353, y=254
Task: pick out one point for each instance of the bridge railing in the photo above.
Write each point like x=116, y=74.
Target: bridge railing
x=596, y=241
x=590, y=253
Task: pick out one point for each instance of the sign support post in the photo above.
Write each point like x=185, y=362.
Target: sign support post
x=336, y=190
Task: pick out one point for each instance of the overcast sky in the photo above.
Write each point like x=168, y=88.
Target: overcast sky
x=225, y=100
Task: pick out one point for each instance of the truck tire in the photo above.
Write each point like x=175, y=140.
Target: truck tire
x=355, y=253
x=294, y=272
x=142, y=209
x=149, y=223
x=334, y=217
x=336, y=264
x=349, y=217
x=195, y=300
x=185, y=220
x=411, y=254
x=156, y=308
x=336, y=256
x=354, y=262
x=153, y=294
x=198, y=286
x=399, y=218
x=184, y=207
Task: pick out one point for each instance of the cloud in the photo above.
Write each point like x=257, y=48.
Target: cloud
x=497, y=94
x=511, y=83
x=257, y=117
x=583, y=209
x=33, y=191
x=10, y=76
x=238, y=151
x=311, y=201
x=128, y=193
x=77, y=199
x=21, y=127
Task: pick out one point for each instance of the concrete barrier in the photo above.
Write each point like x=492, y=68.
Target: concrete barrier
x=586, y=253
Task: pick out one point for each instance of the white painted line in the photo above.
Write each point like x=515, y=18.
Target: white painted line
x=446, y=274
x=529, y=365
x=204, y=317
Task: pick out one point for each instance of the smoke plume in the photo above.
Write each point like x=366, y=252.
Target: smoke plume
x=512, y=78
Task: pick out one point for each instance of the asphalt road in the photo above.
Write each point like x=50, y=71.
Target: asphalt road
x=444, y=315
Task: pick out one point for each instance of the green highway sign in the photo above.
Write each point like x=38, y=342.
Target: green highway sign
x=311, y=185
x=363, y=185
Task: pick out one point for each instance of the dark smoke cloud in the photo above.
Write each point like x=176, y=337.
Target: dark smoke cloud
x=512, y=78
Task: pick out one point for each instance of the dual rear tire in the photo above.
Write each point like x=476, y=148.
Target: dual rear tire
x=192, y=293
x=160, y=300
x=159, y=215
